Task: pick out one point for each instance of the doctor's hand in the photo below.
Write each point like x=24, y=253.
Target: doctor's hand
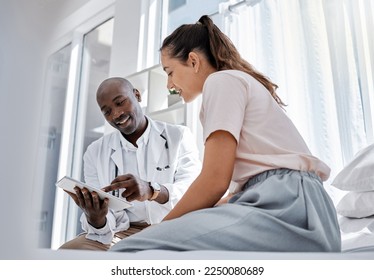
x=92, y=206
x=133, y=187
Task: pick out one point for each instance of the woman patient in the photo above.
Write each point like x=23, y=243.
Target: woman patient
x=253, y=151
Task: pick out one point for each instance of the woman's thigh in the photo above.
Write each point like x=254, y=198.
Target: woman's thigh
x=283, y=212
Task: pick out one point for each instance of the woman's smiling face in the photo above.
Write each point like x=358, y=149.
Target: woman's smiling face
x=182, y=77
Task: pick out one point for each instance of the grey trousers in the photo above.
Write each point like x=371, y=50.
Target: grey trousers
x=279, y=210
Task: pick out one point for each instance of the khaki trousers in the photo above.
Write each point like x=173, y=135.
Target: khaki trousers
x=82, y=243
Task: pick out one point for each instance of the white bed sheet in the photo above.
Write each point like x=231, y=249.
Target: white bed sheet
x=357, y=244
x=43, y=254
x=357, y=234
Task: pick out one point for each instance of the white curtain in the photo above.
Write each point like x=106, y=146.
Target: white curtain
x=320, y=54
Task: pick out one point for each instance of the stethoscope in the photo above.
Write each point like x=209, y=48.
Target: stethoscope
x=115, y=192
x=158, y=168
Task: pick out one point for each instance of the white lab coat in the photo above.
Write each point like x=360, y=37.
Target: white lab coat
x=178, y=151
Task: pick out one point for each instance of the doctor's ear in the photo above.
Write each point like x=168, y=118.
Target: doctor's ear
x=137, y=95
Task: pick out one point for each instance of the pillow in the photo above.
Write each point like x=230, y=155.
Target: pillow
x=358, y=174
x=356, y=205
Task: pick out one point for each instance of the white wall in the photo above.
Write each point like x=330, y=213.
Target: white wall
x=26, y=27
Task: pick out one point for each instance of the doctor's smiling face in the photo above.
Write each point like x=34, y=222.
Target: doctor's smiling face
x=119, y=103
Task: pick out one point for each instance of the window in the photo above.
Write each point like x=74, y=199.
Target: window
x=189, y=12
x=90, y=123
x=49, y=149
x=173, y=5
x=103, y=45
x=90, y=54
x=320, y=53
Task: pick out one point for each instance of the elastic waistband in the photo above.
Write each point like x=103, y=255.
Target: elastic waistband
x=282, y=171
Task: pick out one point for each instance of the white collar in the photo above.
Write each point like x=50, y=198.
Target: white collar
x=142, y=140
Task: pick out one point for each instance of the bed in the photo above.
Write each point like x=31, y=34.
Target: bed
x=357, y=234
x=352, y=192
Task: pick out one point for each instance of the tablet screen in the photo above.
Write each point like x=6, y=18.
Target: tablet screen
x=115, y=203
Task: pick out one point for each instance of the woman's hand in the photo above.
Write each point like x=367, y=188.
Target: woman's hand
x=215, y=176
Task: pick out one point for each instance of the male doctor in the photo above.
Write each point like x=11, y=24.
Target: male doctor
x=150, y=163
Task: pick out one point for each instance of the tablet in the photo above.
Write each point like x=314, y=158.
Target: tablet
x=115, y=203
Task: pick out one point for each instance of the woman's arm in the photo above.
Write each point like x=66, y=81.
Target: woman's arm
x=215, y=176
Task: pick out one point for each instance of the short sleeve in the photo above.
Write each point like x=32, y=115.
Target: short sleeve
x=223, y=104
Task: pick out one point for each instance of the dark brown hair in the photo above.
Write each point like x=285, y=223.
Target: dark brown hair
x=207, y=38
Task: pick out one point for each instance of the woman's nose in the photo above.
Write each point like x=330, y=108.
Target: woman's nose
x=170, y=84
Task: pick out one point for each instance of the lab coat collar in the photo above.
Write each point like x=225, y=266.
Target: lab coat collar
x=143, y=139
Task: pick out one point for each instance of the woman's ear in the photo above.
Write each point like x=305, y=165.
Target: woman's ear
x=194, y=61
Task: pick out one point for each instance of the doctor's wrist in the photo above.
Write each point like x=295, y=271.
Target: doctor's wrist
x=97, y=224
x=159, y=193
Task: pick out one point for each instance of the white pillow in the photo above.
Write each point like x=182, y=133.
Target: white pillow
x=357, y=175
x=356, y=205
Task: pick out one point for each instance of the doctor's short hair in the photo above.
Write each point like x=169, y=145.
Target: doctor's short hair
x=121, y=80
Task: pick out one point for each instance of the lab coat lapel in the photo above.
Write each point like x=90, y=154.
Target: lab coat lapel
x=156, y=148
x=116, y=154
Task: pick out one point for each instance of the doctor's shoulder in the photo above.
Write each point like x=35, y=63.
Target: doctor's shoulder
x=104, y=142
x=175, y=131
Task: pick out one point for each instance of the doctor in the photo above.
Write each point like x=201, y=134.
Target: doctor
x=150, y=163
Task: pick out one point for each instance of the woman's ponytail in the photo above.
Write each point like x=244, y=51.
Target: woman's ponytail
x=206, y=37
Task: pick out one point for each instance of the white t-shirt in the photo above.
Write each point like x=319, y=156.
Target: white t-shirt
x=267, y=139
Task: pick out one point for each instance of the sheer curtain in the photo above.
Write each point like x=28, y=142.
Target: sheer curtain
x=320, y=54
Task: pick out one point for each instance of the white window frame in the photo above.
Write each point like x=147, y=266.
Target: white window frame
x=74, y=27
